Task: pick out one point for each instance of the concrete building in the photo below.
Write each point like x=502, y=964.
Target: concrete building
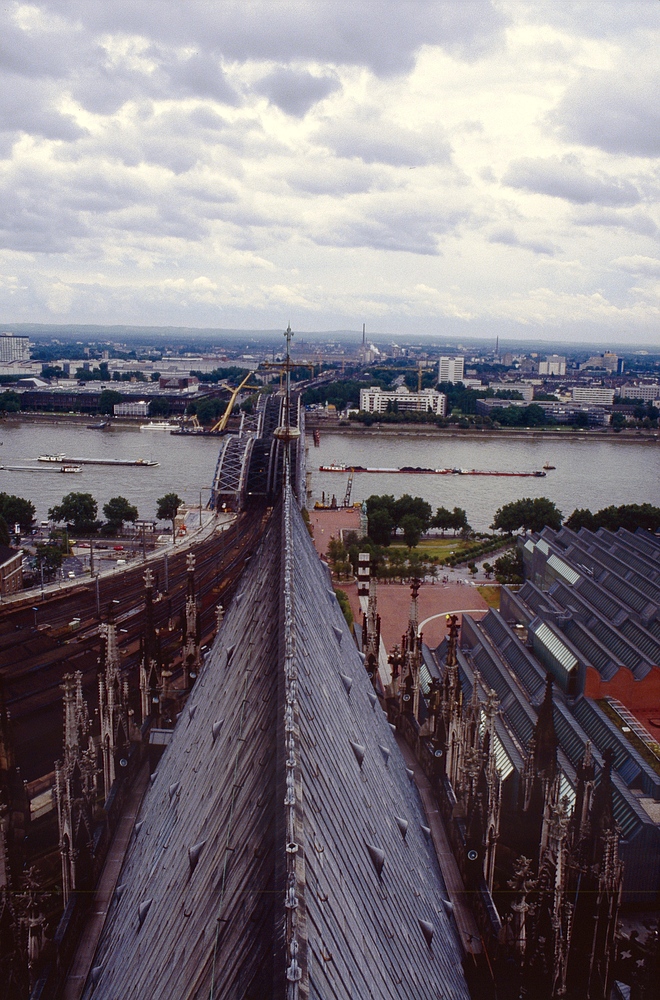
x=11, y=570
x=13, y=348
x=561, y=413
x=554, y=364
x=597, y=395
x=648, y=391
x=137, y=408
x=610, y=362
x=376, y=400
x=451, y=369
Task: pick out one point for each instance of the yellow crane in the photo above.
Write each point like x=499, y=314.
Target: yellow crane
x=221, y=425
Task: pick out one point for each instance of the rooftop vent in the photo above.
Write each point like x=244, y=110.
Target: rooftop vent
x=385, y=752
x=194, y=853
x=377, y=856
x=217, y=726
x=338, y=632
x=138, y=826
x=143, y=909
x=426, y=830
x=347, y=682
x=410, y=773
x=191, y=711
x=373, y=698
x=402, y=825
x=359, y=751
x=427, y=930
x=173, y=789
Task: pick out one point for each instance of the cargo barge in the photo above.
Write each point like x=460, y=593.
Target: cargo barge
x=420, y=471
x=140, y=462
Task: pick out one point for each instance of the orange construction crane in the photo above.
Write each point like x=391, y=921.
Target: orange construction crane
x=221, y=425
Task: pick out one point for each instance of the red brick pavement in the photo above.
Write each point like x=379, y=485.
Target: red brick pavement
x=434, y=599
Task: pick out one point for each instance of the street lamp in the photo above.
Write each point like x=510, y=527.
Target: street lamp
x=35, y=616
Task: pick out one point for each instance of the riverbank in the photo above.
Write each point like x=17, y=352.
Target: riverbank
x=599, y=434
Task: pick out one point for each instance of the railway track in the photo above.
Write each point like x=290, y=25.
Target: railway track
x=33, y=659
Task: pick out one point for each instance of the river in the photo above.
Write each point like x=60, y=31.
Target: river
x=593, y=473
x=589, y=473
x=187, y=464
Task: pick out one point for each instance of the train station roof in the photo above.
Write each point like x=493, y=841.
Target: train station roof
x=281, y=849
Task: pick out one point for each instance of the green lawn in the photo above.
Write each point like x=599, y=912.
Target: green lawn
x=440, y=547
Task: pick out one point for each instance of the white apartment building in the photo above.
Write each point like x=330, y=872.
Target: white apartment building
x=376, y=400
x=14, y=348
x=137, y=408
x=597, y=395
x=554, y=364
x=648, y=391
x=451, y=369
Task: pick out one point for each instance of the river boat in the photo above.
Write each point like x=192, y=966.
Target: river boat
x=410, y=470
x=99, y=426
x=140, y=462
x=70, y=469
x=52, y=458
x=548, y=466
x=159, y=425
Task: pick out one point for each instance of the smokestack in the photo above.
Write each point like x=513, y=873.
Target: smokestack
x=364, y=335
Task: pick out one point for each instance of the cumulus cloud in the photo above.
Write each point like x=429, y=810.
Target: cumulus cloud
x=295, y=91
x=144, y=177
x=384, y=35
x=638, y=264
x=510, y=239
x=566, y=178
x=616, y=110
x=374, y=139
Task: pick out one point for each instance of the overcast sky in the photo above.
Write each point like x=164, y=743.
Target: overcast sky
x=465, y=167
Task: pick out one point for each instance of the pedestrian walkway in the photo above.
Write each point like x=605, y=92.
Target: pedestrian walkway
x=468, y=931
x=82, y=962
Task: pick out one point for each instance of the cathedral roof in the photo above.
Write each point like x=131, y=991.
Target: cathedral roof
x=281, y=848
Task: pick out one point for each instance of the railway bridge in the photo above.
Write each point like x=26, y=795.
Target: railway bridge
x=250, y=464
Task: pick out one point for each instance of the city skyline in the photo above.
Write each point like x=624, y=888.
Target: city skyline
x=448, y=169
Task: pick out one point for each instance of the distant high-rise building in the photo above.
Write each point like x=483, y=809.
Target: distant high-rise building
x=554, y=364
x=595, y=394
x=13, y=348
x=451, y=369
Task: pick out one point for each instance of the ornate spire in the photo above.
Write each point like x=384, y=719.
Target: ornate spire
x=191, y=654
x=113, y=706
x=75, y=789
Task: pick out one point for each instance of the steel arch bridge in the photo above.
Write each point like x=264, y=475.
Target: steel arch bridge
x=250, y=464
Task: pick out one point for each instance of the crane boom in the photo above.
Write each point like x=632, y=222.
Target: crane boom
x=221, y=425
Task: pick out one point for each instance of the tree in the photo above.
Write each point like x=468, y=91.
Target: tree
x=459, y=521
x=488, y=570
x=528, y=514
x=581, y=518
x=49, y=557
x=10, y=402
x=629, y=516
x=159, y=407
x=412, y=529
x=442, y=519
x=107, y=400
x=407, y=506
x=167, y=508
x=5, y=538
x=117, y=510
x=78, y=510
x=16, y=510
x=381, y=525
x=509, y=567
